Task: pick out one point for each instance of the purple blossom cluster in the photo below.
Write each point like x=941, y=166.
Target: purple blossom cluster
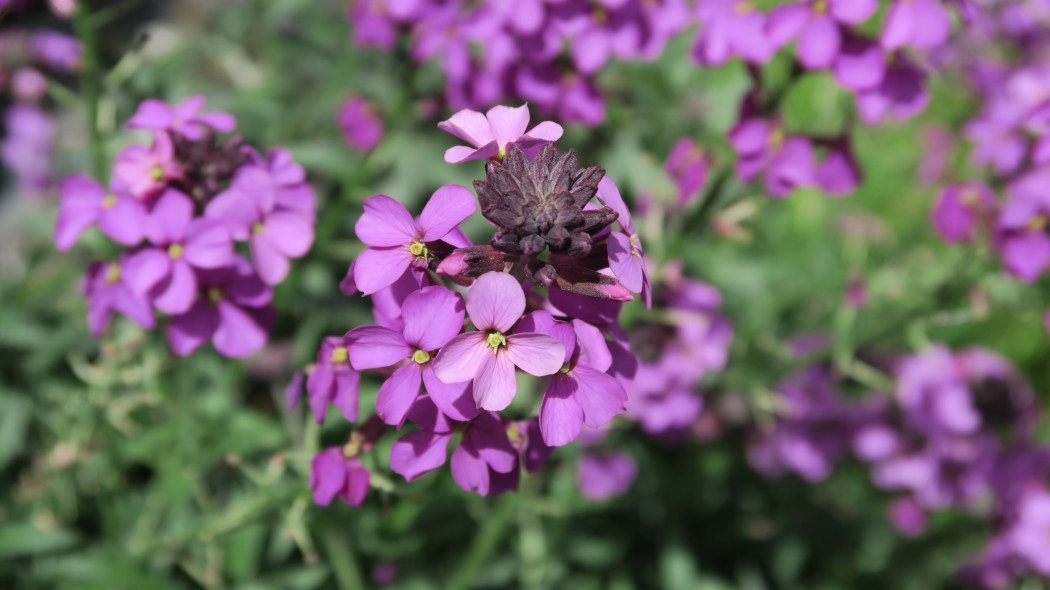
x=27, y=148
x=179, y=206
x=958, y=433
x=460, y=328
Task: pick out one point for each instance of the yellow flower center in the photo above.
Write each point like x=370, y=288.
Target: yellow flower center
x=156, y=173
x=820, y=7
x=636, y=245
x=112, y=273
x=215, y=294
x=257, y=228
x=743, y=8
x=776, y=138
x=496, y=340
x=565, y=368
x=421, y=356
x=1036, y=224
x=339, y=355
x=600, y=16
x=419, y=250
x=502, y=152
x=175, y=251
x=109, y=201
x=514, y=433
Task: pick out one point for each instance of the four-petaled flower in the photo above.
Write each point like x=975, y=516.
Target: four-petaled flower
x=625, y=247
x=492, y=132
x=184, y=118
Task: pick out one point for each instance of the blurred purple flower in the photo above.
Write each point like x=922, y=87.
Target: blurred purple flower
x=85, y=202
x=962, y=209
x=184, y=118
x=817, y=26
x=603, y=475
x=106, y=292
x=729, y=28
x=360, y=124
x=688, y=165
x=143, y=172
x=332, y=474
x=333, y=381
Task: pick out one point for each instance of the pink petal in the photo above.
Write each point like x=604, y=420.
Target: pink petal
x=189, y=107
x=152, y=114
x=934, y=23
x=179, y=291
x=470, y=126
x=376, y=268
x=433, y=316
x=222, y=122
x=446, y=209
x=81, y=203
x=455, y=400
x=143, y=270
x=495, y=301
x=169, y=218
x=347, y=388
x=487, y=437
x=600, y=395
x=898, y=26
x=238, y=333
x=236, y=211
x=319, y=386
x=590, y=51
x=291, y=234
x=271, y=265
x=357, y=483
x=546, y=131
x=853, y=12
x=786, y=21
x=561, y=417
x=208, y=244
x=123, y=222
x=188, y=331
x=469, y=471
x=373, y=347
x=327, y=475
x=494, y=383
x=628, y=268
x=417, y=453
x=398, y=393
x=594, y=349
x=462, y=153
x=508, y=123
x=536, y=354
x=386, y=223
x=609, y=195
x=462, y=358
x=819, y=44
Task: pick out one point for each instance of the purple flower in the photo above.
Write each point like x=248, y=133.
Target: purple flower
x=921, y=24
x=581, y=392
x=58, y=50
x=626, y=258
x=1021, y=228
x=143, y=172
x=396, y=241
x=687, y=164
x=907, y=516
x=184, y=118
x=85, y=202
x=360, y=125
x=232, y=310
x=603, y=475
x=489, y=355
x=1030, y=535
x=817, y=25
x=901, y=93
x=961, y=209
x=106, y=292
x=728, y=28
x=432, y=317
x=489, y=134
x=166, y=272
x=253, y=209
x=332, y=474
x=333, y=381
x=760, y=145
x=28, y=148
x=933, y=391
x=838, y=174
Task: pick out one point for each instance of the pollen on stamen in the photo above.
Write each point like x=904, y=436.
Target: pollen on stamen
x=113, y=273
x=421, y=357
x=214, y=294
x=339, y=355
x=257, y=228
x=175, y=251
x=156, y=173
x=496, y=340
x=109, y=201
x=418, y=249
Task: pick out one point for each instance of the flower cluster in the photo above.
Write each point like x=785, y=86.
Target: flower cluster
x=958, y=433
x=27, y=149
x=544, y=51
x=542, y=298
x=179, y=205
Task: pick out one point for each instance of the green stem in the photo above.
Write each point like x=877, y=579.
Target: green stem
x=89, y=79
x=342, y=560
x=485, y=543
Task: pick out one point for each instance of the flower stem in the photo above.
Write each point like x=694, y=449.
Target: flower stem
x=486, y=541
x=89, y=80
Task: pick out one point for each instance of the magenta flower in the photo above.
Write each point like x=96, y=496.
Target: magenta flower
x=817, y=25
x=142, y=171
x=332, y=474
x=907, y=517
x=490, y=133
x=85, y=202
x=333, y=381
x=728, y=28
x=626, y=258
x=165, y=273
x=838, y=174
x=688, y=165
x=1030, y=535
x=252, y=210
x=106, y=292
x=495, y=303
x=396, y=241
x=603, y=475
x=360, y=125
x=232, y=310
x=961, y=209
x=581, y=392
x=761, y=145
x=184, y=118
x=921, y=24
x=432, y=317
x=1021, y=232
x=901, y=94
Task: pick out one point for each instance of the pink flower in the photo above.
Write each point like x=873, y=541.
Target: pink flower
x=184, y=118
x=396, y=241
x=361, y=128
x=333, y=381
x=142, y=171
x=489, y=355
x=490, y=133
x=625, y=247
x=332, y=474
x=687, y=164
x=432, y=316
x=106, y=292
x=600, y=476
x=85, y=202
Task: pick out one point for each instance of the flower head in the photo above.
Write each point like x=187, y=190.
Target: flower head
x=184, y=118
x=491, y=133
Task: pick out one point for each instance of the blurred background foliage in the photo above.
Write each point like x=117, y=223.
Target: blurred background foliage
x=123, y=467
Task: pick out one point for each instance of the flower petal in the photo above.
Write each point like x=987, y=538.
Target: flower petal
x=600, y=396
x=470, y=126
x=628, y=268
x=536, y=354
x=386, y=223
x=372, y=347
x=495, y=301
x=124, y=221
x=455, y=400
x=186, y=332
x=239, y=333
x=376, y=268
x=327, y=475
x=561, y=417
x=419, y=452
x=177, y=293
x=462, y=358
x=168, y=221
x=143, y=270
x=433, y=316
x=495, y=384
x=208, y=244
x=398, y=393
x=446, y=209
